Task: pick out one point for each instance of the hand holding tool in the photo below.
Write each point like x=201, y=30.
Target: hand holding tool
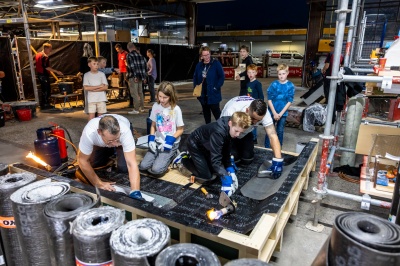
x=208, y=195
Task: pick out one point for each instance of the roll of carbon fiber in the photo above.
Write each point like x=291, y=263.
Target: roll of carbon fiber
x=8, y=185
x=364, y=239
x=28, y=204
x=247, y=262
x=138, y=242
x=91, y=232
x=59, y=214
x=187, y=254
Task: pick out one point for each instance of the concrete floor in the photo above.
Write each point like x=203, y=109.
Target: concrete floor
x=300, y=245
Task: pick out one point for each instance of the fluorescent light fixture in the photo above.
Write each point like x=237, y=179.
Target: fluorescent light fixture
x=286, y=41
x=170, y=23
x=44, y=2
x=105, y=16
x=54, y=7
x=217, y=42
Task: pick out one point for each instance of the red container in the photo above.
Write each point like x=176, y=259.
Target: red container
x=62, y=145
x=24, y=114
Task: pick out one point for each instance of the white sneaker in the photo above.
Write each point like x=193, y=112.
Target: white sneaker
x=142, y=110
x=133, y=112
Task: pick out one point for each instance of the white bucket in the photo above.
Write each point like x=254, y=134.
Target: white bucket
x=300, y=146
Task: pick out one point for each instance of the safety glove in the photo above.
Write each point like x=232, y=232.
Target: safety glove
x=136, y=194
x=152, y=143
x=227, y=185
x=276, y=167
x=232, y=173
x=168, y=143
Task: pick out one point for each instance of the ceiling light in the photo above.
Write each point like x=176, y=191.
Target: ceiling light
x=105, y=16
x=44, y=2
x=170, y=23
x=286, y=41
x=54, y=7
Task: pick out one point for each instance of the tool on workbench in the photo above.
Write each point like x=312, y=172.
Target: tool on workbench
x=208, y=195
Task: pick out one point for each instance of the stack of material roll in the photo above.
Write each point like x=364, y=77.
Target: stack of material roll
x=361, y=239
x=59, y=214
x=138, y=242
x=247, y=262
x=187, y=254
x=8, y=185
x=28, y=204
x=91, y=233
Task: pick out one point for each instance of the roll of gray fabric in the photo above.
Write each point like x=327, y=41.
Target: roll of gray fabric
x=138, y=242
x=364, y=239
x=91, y=233
x=28, y=204
x=3, y=169
x=187, y=254
x=8, y=185
x=59, y=214
x=247, y=262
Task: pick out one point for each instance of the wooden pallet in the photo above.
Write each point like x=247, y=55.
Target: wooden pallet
x=264, y=239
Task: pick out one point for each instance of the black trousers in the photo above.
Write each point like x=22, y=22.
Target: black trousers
x=200, y=162
x=101, y=155
x=46, y=89
x=208, y=108
x=243, y=149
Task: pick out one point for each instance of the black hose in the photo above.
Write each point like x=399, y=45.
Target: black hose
x=91, y=233
x=59, y=214
x=69, y=136
x=8, y=185
x=139, y=242
x=187, y=254
x=28, y=204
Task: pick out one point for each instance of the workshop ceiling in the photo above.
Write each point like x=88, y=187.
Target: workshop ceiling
x=74, y=12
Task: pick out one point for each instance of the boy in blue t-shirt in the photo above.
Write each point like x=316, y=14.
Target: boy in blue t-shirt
x=254, y=90
x=280, y=97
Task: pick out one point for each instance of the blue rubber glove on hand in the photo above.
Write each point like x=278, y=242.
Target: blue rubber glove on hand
x=227, y=185
x=168, y=143
x=232, y=173
x=276, y=168
x=135, y=194
x=152, y=143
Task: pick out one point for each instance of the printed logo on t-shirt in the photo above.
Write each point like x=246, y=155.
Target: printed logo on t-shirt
x=165, y=121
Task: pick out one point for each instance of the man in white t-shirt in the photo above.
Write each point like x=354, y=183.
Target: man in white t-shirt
x=100, y=137
x=243, y=146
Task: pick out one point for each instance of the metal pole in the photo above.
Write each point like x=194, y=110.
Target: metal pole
x=346, y=149
x=355, y=31
x=341, y=21
x=362, y=70
x=378, y=79
x=350, y=33
x=361, y=37
x=28, y=46
x=343, y=195
x=96, y=32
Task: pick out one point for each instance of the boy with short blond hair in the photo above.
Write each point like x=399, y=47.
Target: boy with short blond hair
x=280, y=97
x=254, y=90
x=95, y=83
x=102, y=66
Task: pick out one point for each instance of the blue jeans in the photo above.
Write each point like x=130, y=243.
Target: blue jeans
x=280, y=127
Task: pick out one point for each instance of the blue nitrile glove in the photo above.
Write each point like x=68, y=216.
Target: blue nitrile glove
x=168, y=143
x=135, y=194
x=231, y=172
x=227, y=185
x=152, y=143
x=276, y=168
x=233, y=163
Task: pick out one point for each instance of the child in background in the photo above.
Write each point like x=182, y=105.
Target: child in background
x=165, y=131
x=95, y=83
x=254, y=90
x=102, y=66
x=280, y=97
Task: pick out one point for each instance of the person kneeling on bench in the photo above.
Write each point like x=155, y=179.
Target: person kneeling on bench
x=209, y=149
